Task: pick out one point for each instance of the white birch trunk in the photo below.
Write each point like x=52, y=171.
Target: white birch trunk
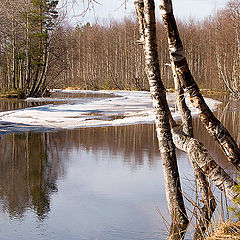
x=146, y=18
x=211, y=123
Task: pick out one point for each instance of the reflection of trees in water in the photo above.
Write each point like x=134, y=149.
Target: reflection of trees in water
x=27, y=174
x=134, y=143
x=31, y=163
x=12, y=104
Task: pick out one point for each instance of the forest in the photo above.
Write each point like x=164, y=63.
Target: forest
x=42, y=50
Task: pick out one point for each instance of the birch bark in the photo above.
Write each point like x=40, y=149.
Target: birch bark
x=183, y=109
x=199, y=154
x=207, y=196
x=211, y=123
x=146, y=18
x=201, y=161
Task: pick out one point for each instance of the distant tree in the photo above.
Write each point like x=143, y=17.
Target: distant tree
x=25, y=42
x=228, y=50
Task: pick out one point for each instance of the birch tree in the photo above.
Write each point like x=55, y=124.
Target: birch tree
x=27, y=28
x=146, y=18
x=228, y=55
x=211, y=123
x=187, y=130
x=203, y=164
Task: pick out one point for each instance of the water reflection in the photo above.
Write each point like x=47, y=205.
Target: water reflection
x=31, y=163
x=28, y=174
x=90, y=174
x=12, y=104
x=56, y=98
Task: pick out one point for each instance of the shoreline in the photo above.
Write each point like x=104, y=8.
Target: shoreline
x=120, y=108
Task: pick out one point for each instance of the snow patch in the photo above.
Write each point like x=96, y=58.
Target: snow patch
x=125, y=108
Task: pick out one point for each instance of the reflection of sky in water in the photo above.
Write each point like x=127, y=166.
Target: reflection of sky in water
x=107, y=189
x=111, y=201
x=99, y=197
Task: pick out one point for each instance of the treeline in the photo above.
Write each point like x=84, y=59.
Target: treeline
x=26, y=34
x=106, y=56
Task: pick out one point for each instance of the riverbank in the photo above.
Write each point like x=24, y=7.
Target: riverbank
x=227, y=230
x=19, y=94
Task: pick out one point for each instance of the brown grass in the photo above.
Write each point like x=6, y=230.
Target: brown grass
x=213, y=92
x=72, y=88
x=227, y=230
x=204, y=91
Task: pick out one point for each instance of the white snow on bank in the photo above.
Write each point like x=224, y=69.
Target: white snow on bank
x=121, y=108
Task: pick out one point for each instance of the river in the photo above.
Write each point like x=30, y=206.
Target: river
x=98, y=183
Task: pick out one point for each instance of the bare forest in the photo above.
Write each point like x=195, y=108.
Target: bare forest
x=40, y=50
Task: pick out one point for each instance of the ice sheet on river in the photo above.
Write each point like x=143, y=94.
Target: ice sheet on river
x=125, y=108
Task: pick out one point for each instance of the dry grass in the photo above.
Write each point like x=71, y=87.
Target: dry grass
x=213, y=92
x=204, y=91
x=227, y=230
x=72, y=88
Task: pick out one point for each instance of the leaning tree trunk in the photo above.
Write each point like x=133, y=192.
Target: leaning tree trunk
x=146, y=18
x=42, y=78
x=199, y=154
x=183, y=109
x=211, y=123
x=208, y=199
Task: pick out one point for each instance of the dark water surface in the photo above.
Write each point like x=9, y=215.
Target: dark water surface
x=92, y=183
x=56, y=98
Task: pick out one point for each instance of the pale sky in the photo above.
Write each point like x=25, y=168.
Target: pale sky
x=183, y=9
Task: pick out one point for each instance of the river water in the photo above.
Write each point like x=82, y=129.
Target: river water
x=102, y=183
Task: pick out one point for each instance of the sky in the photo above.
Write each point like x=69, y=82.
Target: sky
x=115, y=9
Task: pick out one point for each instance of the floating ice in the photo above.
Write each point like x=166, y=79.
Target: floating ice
x=120, y=108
